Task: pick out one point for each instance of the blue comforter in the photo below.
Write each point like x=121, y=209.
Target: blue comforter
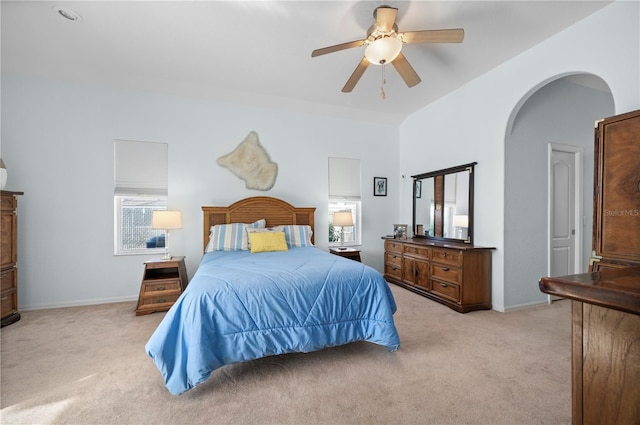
x=241, y=306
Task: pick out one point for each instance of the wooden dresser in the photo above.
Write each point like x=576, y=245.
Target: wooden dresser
x=605, y=324
x=9, y=258
x=605, y=346
x=455, y=274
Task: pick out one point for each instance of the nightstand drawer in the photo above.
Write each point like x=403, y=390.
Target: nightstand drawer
x=159, y=299
x=446, y=256
x=8, y=203
x=451, y=274
x=446, y=290
x=161, y=285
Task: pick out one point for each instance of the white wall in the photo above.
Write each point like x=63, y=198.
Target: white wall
x=57, y=143
x=470, y=124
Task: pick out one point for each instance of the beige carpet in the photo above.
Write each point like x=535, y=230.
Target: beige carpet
x=87, y=365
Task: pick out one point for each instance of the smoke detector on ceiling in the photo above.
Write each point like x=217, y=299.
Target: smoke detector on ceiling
x=67, y=13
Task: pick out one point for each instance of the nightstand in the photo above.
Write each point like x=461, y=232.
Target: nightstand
x=162, y=283
x=350, y=253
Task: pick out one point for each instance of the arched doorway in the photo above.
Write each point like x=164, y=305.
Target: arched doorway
x=558, y=112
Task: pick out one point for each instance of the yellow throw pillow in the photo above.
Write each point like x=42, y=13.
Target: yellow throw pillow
x=267, y=241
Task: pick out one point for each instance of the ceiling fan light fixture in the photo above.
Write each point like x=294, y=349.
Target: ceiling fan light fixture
x=383, y=50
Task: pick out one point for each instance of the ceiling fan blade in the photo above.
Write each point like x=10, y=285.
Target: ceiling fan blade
x=355, y=77
x=337, y=48
x=434, y=36
x=386, y=17
x=405, y=70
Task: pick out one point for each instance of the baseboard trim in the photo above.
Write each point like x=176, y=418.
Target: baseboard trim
x=525, y=305
x=80, y=303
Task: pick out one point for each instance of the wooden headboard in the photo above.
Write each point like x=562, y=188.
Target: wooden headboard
x=275, y=211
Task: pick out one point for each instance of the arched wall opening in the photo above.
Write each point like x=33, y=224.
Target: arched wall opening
x=561, y=110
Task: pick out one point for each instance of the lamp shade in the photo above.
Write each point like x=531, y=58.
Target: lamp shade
x=383, y=50
x=342, y=218
x=461, y=221
x=166, y=220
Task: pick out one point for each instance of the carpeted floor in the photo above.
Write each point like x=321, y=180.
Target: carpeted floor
x=87, y=365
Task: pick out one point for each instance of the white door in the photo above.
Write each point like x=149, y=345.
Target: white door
x=565, y=212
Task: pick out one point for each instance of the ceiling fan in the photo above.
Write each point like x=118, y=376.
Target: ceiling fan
x=384, y=45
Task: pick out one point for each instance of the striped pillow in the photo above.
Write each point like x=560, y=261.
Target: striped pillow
x=298, y=235
x=231, y=237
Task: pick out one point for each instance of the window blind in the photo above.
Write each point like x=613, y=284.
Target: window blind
x=140, y=168
x=344, y=178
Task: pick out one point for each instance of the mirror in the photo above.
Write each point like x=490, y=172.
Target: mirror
x=443, y=204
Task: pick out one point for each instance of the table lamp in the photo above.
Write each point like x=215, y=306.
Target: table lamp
x=342, y=219
x=166, y=220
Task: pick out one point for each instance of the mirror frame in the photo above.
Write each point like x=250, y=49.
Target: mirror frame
x=442, y=173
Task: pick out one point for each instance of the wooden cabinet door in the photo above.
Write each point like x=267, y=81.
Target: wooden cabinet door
x=617, y=188
x=415, y=272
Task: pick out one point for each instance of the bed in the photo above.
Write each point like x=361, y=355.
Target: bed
x=242, y=304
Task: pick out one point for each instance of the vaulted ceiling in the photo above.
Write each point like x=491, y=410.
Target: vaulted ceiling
x=259, y=52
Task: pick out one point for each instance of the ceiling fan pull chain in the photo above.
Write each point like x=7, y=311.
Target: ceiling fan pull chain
x=384, y=81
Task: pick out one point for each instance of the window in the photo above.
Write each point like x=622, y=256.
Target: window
x=351, y=234
x=134, y=234
x=140, y=187
x=344, y=195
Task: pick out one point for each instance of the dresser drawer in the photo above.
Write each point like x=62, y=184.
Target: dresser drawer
x=447, y=256
x=393, y=270
x=446, y=290
x=161, y=285
x=448, y=273
x=393, y=258
x=8, y=303
x=393, y=246
x=8, y=279
x=417, y=251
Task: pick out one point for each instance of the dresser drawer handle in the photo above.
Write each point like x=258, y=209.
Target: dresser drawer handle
x=445, y=269
x=444, y=285
x=4, y=298
x=162, y=300
x=160, y=288
x=444, y=255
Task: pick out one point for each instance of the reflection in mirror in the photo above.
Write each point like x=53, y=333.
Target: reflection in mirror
x=424, y=207
x=443, y=204
x=456, y=205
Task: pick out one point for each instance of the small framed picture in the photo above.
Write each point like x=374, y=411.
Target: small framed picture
x=379, y=186
x=400, y=231
x=419, y=189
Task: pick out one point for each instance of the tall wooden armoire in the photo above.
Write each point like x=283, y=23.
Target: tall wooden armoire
x=605, y=307
x=616, y=208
